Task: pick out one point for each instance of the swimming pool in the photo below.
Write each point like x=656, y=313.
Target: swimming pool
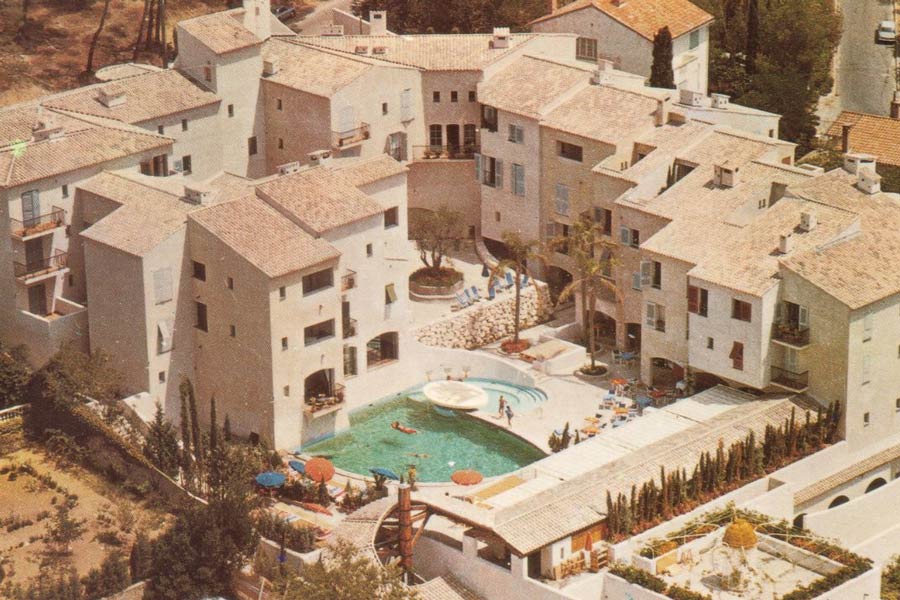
x=445, y=442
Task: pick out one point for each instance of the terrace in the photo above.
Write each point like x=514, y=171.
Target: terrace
x=447, y=152
x=789, y=380
x=39, y=225
x=34, y=269
x=341, y=140
x=790, y=334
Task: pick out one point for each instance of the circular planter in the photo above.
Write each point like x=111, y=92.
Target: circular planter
x=510, y=347
x=429, y=289
x=593, y=377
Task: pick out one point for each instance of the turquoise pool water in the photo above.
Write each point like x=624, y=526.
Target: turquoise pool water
x=443, y=443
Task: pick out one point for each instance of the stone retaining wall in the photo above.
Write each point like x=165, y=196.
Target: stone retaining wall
x=488, y=321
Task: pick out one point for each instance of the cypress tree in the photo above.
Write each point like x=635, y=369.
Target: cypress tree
x=195, y=422
x=661, y=73
x=752, y=48
x=227, y=428
x=213, y=426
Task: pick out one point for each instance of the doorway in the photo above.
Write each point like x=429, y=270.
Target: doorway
x=453, y=142
x=34, y=254
x=37, y=300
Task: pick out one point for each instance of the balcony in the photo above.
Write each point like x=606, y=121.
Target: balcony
x=790, y=334
x=38, y=225
x=450, y=152
x=349, y=328
x=351, y=137
x=38, y=268
x=793, y=382
x=324, y=404
x=348, y=280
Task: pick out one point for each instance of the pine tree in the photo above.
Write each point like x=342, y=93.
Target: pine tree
x=661, y=73
x=139, y=559
x=161, y=444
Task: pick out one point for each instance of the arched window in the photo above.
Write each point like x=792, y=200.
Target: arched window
x=838, y=501
x=876, y=483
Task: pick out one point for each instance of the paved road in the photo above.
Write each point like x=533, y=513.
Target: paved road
x=865, y=71
x=321, y=15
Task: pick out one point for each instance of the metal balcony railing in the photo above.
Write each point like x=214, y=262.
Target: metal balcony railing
x=451, y=152
x=349, y=328
x=348, y=281
x=791, y=334
x=797, y=382
x=46, y=222
x=351, y=137
x=58, y=260
x=322, y=402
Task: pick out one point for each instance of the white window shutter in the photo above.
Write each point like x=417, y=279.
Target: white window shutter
x=635, y=281
x=803, y=316
x=651, y=315
x=162, y=285
x=646, y=272
x=550, y=229
x=625, y=236
x=498, y=174
x=477, y=157
x=165, y=335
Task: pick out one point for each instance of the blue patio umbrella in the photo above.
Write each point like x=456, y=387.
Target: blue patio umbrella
x=270, y=479
x=297, y=466
x=384, y=473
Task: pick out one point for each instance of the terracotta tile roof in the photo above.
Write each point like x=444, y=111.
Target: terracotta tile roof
x=262, y=236
x=369, y=170
x=148, y=96
x=871, y=134
x=823, y=486
x=604, y=113
x=221, y=32
x=319, y=199
x=123, y=70
x=645, y=17
x=17, y=120
x=445, y=587
x=317, y=71
x=470, y=52
x=529, y=84
x=146, y=216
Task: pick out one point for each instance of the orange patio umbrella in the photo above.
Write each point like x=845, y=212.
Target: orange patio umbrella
x=319, y=469
x=466, y=477
x=618, y=381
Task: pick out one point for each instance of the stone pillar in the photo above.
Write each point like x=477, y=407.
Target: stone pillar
x=519, y=566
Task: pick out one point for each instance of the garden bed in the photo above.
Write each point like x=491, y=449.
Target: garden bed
x=514, y=347
x=435, y=282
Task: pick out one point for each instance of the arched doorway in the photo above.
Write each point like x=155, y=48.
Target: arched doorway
x=382, y=349
x=557, y=280
x=319, y=387
x=876, y=483
x=838, y=501
x=604, y=329
x=798, y=521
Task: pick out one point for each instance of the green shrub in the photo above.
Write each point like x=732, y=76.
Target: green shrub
x=300, y=539
x=638, y=577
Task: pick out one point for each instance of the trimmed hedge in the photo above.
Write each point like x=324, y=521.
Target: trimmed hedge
x=653, y=583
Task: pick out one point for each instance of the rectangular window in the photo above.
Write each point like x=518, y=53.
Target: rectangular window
x=470, y=137
x=284, y=343
x=656, y=316
x=251, y=146
x=603, y=217
x=232, y=331
x=184, y=125
x=161, y=376
x=636, y=281
x=698, y=300
x=516, y=134
x=318, y=332
x=207, y=73
x=740, y=310
x=65, y=191
x=472, y=96
x=586, y=49
x=866, y=368
x=436, y=136
x=186, y=164
x=369, y=250
x=657, y=274
x=695, y=39
x=562, y=199
x=384, y=108
x=282, y=293
x=569, y=151
x=201, y=322
x=229, y=283
x=162, y=285
x=279, y=105
x=390, y=294
x=160, y=129
x=199, y=270
x=737, y=356
x=489, y=118
x=492, y=171
x=518, y=179
x=497, y=216
x=454, y=97
x=165, y=330
x=318, y=281
x=710, y=343
x=281, y=143
x=231, y=110
x=350, y=364
x=865, y=419
x=286, y=390
x=867, y=327
x=630, y=237
x=391, y=217
x=435, y=96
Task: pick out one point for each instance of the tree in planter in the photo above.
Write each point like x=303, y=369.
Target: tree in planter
x=661, y=73
x=591, y=273
x=435, y=233
x=520, y=252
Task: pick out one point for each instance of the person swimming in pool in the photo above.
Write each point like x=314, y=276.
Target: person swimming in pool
x=396, y=425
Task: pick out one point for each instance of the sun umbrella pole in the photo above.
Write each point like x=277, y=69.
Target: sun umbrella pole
x=404, y=517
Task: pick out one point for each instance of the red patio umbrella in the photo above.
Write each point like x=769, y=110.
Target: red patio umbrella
x=466, y=477
x=319, y=469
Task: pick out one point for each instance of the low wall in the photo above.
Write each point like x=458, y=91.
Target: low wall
x=844, y=523
x=865, y=587
x=616, y=588
x=798, y=556
x=488, y=321
x=293, y=561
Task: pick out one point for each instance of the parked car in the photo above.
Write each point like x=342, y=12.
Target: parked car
x=284, y=13
x=887, y=32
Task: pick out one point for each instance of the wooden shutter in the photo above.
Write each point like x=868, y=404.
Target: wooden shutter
x=477, y=157
x=803, y=316
x=625, y=236
x=646, y=272
x=693, y=299
x=498, y=174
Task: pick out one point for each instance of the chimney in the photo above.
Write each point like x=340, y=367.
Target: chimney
x=500, y=39
x=808, y=221
x=378, y=22
x=725, y=175
x=895, y=106
x=46, y=128
x=111, y=96
x=198, y=194
x=785, y=243
x=258, y=17
x=662, y=111
x=854, y=161
x=270, y=66
x=776, y=192
x=288, y=168
x=319, y=158
x=868, y=181
x=690, y=97
x=602, y=72
x=720, y=100
x=845, y=138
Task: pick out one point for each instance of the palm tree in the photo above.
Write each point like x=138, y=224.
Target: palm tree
x=590, y=279
x=519, y=253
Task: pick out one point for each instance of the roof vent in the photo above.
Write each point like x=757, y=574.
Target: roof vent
x=720, y=100
x=808, y=221
x=602, y=72
x=854, y=161
x=361, y=50
x=270, y=66
x=46, y=129
x=724, y=175
x=786, y=243
x=661, y=116
x=332, y=30
x=379, y=49
x=319, y=157
x=500, y=39
x=288, y=168
x=111, y=96
x=868, y=181
x=691, y=98
x=198, y=194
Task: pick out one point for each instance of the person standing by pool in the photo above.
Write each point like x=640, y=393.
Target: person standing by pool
x=502, y=405
x=509, y=414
